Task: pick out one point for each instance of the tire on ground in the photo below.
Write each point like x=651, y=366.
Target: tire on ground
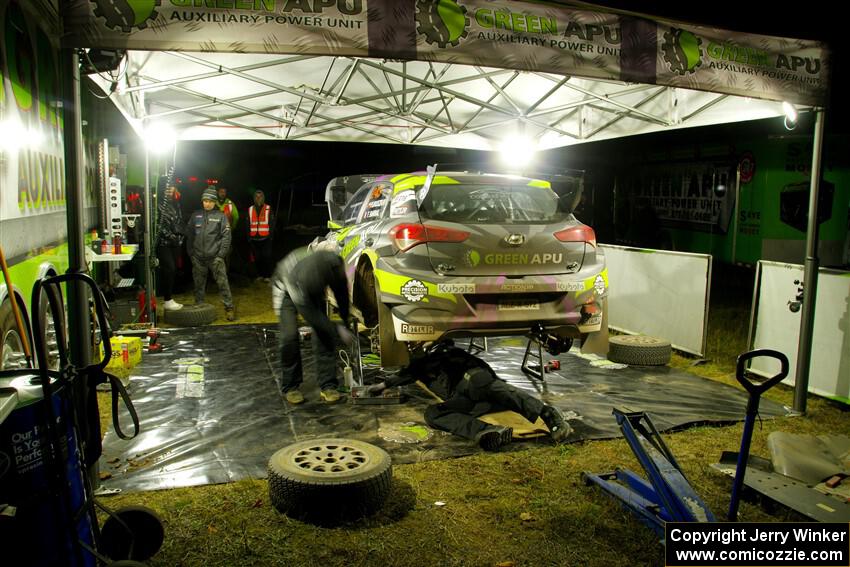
x=191, y=315
x=330, y=480
x=639, y=350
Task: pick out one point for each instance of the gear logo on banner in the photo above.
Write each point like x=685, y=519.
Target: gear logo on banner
x=126, y=15
x=442, y=22
x=682, y=51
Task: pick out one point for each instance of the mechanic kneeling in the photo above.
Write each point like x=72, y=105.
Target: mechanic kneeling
x=471, y=389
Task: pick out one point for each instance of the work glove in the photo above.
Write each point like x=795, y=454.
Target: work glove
x=377, y=388
x=346, y=336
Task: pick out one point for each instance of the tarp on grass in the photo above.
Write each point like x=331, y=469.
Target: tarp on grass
x=210, y=411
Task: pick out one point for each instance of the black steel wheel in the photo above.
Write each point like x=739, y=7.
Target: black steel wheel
x=132, y=532
x=330, y=480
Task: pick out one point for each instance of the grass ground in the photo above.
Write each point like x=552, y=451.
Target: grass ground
x=504, y=509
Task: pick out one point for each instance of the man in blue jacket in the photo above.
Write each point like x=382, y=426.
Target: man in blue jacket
x=208, y=242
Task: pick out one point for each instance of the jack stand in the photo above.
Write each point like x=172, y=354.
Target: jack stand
x=475, y=348
x=668, y=496
x=529, y=370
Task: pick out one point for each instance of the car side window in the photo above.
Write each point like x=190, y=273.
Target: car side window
x=375, y=202
x=352, y=208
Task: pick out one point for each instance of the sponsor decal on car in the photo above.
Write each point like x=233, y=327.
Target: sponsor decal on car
x=523, y=259
x=599, y=284
x=473, y=258
x=456, y=288
x=570, y=286
x=519, y=306
x=350, y=246
x=414, y=290
x=417, y=329
x=517, y=287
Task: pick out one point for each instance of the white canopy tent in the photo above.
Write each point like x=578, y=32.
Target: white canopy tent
x=454, y=73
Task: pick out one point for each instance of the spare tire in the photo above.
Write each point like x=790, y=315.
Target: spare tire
x=191, y=315
x=330, y=480
x=639, y=350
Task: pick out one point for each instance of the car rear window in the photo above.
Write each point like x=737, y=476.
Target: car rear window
x=484, y=204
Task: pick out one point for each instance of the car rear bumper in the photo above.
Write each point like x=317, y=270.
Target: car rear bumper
x=431, y=307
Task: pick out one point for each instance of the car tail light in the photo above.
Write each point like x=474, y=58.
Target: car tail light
x=579, y=233
x=407, y=235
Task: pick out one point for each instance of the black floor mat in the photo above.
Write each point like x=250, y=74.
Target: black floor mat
x=210, y=411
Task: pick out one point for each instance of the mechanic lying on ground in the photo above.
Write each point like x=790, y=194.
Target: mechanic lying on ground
x=471, y=389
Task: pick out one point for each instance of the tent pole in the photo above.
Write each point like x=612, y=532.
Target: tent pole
x=147, y=241
x=810, y=275
x=79, y=335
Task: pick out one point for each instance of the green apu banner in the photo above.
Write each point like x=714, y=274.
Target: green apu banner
x=492, y=33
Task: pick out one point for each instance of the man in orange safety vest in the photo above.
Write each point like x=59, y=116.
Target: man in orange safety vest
x=260, y=234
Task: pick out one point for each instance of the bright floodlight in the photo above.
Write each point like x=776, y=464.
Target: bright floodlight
x=517, y=151
x=790, y=115
x=159, y=137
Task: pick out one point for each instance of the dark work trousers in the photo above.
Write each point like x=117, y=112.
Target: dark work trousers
x=324, y=342
x=168, y=256
x=478, y=393
x=200, y=268
x=262, y=250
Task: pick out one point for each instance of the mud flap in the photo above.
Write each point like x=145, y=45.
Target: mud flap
x=597, y=343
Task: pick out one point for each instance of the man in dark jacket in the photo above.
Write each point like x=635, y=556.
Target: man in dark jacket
x=208, y=242
x=169, y=238
x=298, y=287
x=470, y=389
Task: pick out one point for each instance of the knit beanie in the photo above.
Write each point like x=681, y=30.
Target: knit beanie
x=210, y=194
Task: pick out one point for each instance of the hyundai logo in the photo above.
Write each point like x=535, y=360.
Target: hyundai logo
x=515, y=239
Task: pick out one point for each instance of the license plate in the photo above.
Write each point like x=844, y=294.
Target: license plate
x=519, y=306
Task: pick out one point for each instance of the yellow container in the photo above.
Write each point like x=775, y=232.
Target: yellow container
x=126, y=353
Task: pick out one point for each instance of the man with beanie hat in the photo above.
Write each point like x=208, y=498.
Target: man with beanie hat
x=260, y=234
x=208, y=242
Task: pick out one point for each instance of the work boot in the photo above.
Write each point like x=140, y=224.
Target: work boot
x=230, y=314
x=559, y=429
x=331, y=396
x=294, y=397
x=494, y=437
x=172, y=305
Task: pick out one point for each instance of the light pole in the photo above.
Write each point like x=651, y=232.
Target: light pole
x=159, y=138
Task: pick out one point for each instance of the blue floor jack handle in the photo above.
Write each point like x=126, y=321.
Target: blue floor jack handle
x=665, y=495
x=756, y=389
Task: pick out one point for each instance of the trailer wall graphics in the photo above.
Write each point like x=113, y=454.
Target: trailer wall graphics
x=32, y=160
x=679, y=198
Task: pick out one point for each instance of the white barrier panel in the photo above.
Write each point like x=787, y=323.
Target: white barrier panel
x=778, y=328
x=659, y=293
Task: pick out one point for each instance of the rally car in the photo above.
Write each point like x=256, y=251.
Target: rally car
x=434, y=255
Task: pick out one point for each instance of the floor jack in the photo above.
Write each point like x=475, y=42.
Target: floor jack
x=668, y=496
